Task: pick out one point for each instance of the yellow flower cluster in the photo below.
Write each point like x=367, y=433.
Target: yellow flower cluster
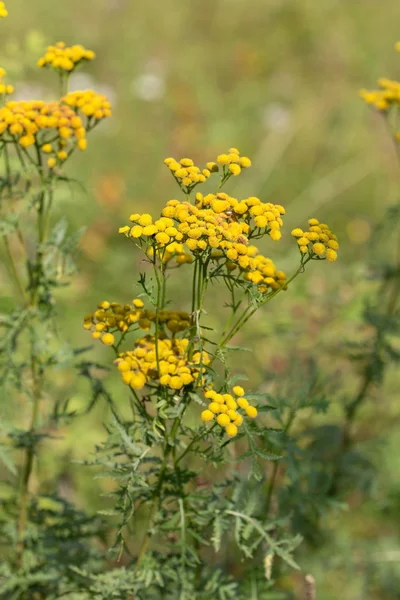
x=319, y=241
x=112, y=316
x=227, y=410
x=3, y=10
x=4, y=88
x=232, y=163
x=89, y=103
x=262, y=272
x=216, y=222
x=186, y=173
x=166, y=363
x=62, y=58
x=382, y=99
x=55, y=127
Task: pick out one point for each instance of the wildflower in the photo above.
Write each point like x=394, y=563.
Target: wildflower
x=319, y=242
x=224, y=409
x=234, y=169
x=3, y=10
x=53, y=126
x=383, y=98
x=65, y=59
x=108, y=339
x=91, y=105
x=5, y=90
x=186, y=173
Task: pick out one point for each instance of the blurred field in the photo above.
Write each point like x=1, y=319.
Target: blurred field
x=279, y=79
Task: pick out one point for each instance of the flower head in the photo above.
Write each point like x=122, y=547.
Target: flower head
x=3, y=10
x=5, y=89
x=56, y=128
x=227, y=410
x=65, y=59
x=318, y=242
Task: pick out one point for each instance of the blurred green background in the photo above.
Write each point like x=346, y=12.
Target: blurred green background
x=278, y=79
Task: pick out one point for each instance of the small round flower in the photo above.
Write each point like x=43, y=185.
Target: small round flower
x=235, y=169
x=137, y=381
x=333, y=244
x=3, y=11
x=238, y=421
x=331, y=255
x=238, y=390
x=245, y=162
x=214, y=407
x=297, y=232
x=207, y=415
x=212, y=167
x=251, y=412
x=275, y=235
x=319, y=249
x=243, y=403
x=223, y=159
x=162, y=238
x=108, y=339
x=231, y=430
x=223, y=420
x=231, y=404
x=136, y=231
x=52, y=163
x=176, y=383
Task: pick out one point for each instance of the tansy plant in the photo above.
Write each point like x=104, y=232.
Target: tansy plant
x=37, y=138
x=188, y=412
x=178, y=495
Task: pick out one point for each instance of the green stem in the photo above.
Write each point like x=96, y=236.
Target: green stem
x=251, y=310
x=157, y=493
x=14, y=270
x=29, y=455
x=42, y=227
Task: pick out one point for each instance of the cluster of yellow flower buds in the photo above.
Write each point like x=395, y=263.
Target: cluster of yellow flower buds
x=89, y=103
x=228, y=410
x=233, y=163
x=217, y=222
x=318, y=241
x=62, y=58
x=387, y=96
x=382, y=99
x=5, y=90
x=3, y=10
x=186, y=173
x=56, y=128
x=111, y=317
x=167, y=363
x=263, y=273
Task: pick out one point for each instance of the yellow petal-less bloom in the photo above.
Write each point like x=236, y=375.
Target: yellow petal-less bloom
x=207, y=415
x=231, y=430
x=3, y=11
x=108, y=339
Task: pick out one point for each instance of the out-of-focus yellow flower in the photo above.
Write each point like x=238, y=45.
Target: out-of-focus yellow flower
x=3, y=10
x=65, y=59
